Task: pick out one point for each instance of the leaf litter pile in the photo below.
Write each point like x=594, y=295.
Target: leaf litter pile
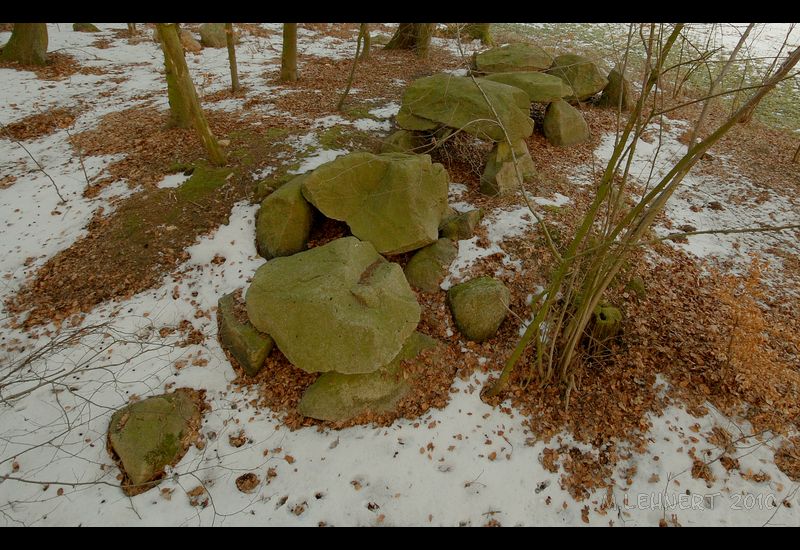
x=715, y=338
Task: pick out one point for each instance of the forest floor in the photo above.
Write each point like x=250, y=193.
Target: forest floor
x=110, y=296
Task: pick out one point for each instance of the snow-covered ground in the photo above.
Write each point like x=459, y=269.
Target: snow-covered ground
x=466, y=464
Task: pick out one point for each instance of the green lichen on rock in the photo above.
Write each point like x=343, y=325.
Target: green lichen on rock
x=460, y=226
x=204, y=180
x=540, y=87
x=84, y=27
x=564, y=124
x=284, y=221
x=607, y=322
x=637, y=286
x=212, y=35
x=149, y=435
x=513, y=57
x=617, y=94
x=428, y=267
x=393, y=200
x=339, y=307
x=479, y=307
x=338, y=397
x=500, y=176
x=403, y=141
x=248, y=346
x=580, y=73
x=457, y=102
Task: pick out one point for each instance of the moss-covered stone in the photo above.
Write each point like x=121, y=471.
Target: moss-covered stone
x=540, y=87
x=395, y=201
x=513, y=57
x=500, y=173
x=248, y=346
x=460, y=226
x=338, y=397
x=204, y=180
x=284, y=221
x=457, y=102
x=479, y=307
x=638, y=287
x=189, y=43
x=606, y=322
x=564, y=124
x=580, y=73
x=84, y=27
x=151, y=434
x=403, y=141
x=339, y=306
x=212, y=35
x=428, y=267
x=617, y=94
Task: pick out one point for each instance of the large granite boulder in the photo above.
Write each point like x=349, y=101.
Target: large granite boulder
x=512, y=57
x=212, y=35
x=149, y=435
x=479, y=307
x=240, y=338
x=85, y=27
x=564, y=124
x=617, y=94
x=338, y=307
x=284, y=220
x=457, y=102
x=189, y=43
x=403, y=141
x=460, y=226
x=395, y=201
x=428, y=267
x=338, y=397
x=580, y=73
x=540, y=87
x=500, y=173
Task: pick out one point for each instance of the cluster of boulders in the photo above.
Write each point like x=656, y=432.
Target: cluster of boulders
x=508, y=80
x=343, y=309
x=212, y=35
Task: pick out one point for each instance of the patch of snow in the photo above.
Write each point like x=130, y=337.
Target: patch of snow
x=387, y=111
x=172, y=180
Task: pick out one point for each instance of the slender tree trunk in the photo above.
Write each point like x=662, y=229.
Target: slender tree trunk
x=352, y=68
x=132, y=28
x=174, y=52
x=364, y=32
x=796, y=155
x=27, y=45
x=289, y=55
x=232, y=56
x=179, y=114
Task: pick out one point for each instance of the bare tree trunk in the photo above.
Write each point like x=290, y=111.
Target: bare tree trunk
x=364, y=31
x=27, y=45
x=412, y=36
x=352, y=68
x=796, y=155
x=179, y=114
x=424, y=33
x=132, y=28
x=404, y=38
x=173, y=50
x=289, y=55
x=232, y=56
